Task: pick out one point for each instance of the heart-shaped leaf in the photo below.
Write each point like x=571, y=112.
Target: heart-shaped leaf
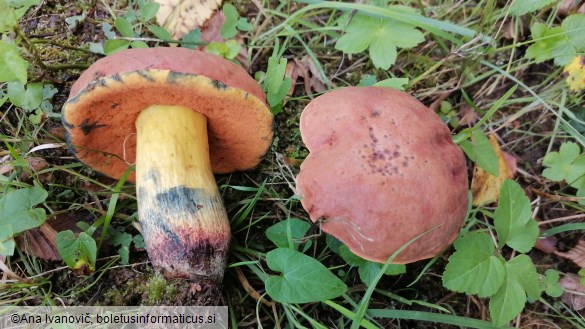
x=303, y=278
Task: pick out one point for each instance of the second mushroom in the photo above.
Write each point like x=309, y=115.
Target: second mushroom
x=180, y=115
x=382, y=171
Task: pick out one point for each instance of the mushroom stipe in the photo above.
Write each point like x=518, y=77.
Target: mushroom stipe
x=181, y=115
x=184, y=223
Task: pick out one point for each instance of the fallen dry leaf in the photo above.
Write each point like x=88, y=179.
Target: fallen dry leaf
x=40, y=242
x=574, y=292
x=485, y=187
x=547, y=244
x=569, y=7
x=35, y=164
x=7, y=273
x=467, y=116
x=317, y=82
x=211, y=32
x=294, y=70
x=577, y=254
x=181, y=16
x=307, y=70
x=576, y=74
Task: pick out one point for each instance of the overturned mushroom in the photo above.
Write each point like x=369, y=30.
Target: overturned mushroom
x=382, y=169
x=181, y=115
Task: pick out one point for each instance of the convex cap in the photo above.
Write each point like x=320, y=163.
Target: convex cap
x=107, y=98
x=382, y=169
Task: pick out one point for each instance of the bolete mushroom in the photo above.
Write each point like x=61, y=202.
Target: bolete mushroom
x=382, y=170
x=180, y=115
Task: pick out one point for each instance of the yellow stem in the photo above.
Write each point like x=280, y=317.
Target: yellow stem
x=184, y=223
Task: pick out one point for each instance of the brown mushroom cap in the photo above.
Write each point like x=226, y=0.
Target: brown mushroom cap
x=107, y=98
x=382, y=170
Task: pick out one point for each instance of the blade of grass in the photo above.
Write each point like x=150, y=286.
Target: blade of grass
x=432, y=25
x=349, y=314
x=112, y=205
x=363, y=305
x=433, y=317
x=564, y=228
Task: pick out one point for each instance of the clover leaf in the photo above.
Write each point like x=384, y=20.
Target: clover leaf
x=521, y=281
x=521, y=7
x=475, y=268
x=567, y=164
x=381, y=36
x=550, y=43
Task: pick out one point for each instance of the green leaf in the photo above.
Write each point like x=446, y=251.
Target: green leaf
x=228, y=49
x=507, y=303
x=551, y=284
x=228, y=29
x=191, y=39
x=12, y=66
x=521, y=281
x=77, y=252
x=138, y=44
x=7, y=243
x=123, y=240
x=148, y=10
x=107, y=30
x=368, y=80
x=513, y=219
x=160, y=32
x=382, y=36
x=349, y=257
x=396, y=83
x=383, y=53
x=233, y=48
x=22, y=6
x=9, y=19
x=275, y=73
x=276, y=99
x=113, y=46
x=303, y=278
x=17, y=209
x=480, y=151
x=369, y=270
x=124, y=27
x=244, y=25
x=292, y=228
x=522, y=269
x=521, y=7
x=574, y=26
x=358, y=34
x=549, y=44
x=216, y=48
x=139, y=242
x=28, y=99
x=567, y=164
x=474, y=268
x=36, y=117
x=333, y=244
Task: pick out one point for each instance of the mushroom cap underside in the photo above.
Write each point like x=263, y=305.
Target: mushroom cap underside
x=382, y=170
x=99, y=116
x=100, y=119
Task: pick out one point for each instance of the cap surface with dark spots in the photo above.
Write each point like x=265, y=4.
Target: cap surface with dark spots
x=382, y=169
